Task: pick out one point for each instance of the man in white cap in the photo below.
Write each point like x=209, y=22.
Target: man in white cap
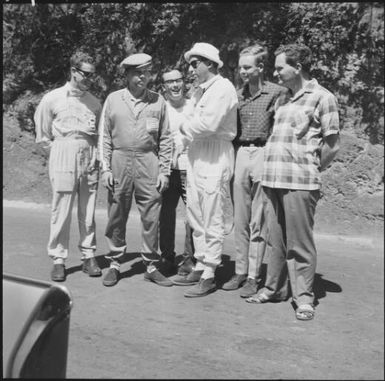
x=209, y=134
x=135, y=150
x=178, y=108
x=66, y=123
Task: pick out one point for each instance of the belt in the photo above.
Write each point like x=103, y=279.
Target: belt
x=254, y=143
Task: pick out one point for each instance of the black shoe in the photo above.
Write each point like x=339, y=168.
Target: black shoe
x=188, y=280
x=90, y=267
x=58, y=273
x=203, y=288
x=111, y=277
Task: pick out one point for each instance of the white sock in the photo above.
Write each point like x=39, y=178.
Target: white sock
x=200, y=266
x=58, y=261
x=115, y=265
x=208, y=272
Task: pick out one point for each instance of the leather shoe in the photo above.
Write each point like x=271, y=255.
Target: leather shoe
x=90, y=267
x=158, y=278
x=203, y=288
x=249, y=288
x=235, y=282
x=111, y=277
x=186, y=266
x=58, y=273
x=188, y=280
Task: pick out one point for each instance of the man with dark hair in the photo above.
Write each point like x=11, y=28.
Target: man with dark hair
x=135, y=149
x=304, y=141
x=255, y=121
x=66, y=122
x=209, y=134
x=178, y=108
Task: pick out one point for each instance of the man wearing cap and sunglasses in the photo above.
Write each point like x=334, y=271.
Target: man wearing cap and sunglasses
x=135, y=150
x=66, y=122
x=208, y=134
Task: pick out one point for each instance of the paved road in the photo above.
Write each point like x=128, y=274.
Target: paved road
x=139, y=330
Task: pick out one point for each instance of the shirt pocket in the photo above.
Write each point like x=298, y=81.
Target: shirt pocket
x=301, y=122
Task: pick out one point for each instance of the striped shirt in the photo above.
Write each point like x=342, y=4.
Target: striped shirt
x=255, y=113
x=292, y=153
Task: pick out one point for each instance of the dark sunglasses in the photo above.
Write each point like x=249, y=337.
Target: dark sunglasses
x=86, y=74
x=195, y=63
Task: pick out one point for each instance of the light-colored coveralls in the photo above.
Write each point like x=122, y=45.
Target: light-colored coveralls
x=135, y=145
x=66, y=119
x=210, y=167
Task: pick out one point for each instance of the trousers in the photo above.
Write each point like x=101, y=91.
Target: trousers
x=135, y=173
x=167, y=221
x=249, y=225
x=70, y=177
x=293, y=257
x=209, y=207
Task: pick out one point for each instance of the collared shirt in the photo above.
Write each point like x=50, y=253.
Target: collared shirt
x=66, y=111
x=292, y=153
x=177, y=116
x=256, y=113
x=215, y=111
x=139, y=126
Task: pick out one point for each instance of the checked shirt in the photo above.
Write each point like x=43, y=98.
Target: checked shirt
x=255, y=113
x=292, y=153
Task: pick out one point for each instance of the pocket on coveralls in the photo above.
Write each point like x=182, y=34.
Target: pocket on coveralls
x=209, y=183
x=152, y=125
x=64, y=181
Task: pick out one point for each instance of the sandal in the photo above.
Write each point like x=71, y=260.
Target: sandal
x=305, y=312
x=258, y=299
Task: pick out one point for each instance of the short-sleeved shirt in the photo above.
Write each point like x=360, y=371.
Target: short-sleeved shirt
x=292, y=153
x=255, y=113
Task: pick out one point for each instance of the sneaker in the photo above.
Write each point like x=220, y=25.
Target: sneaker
x=203, y=288
x=188, y=280
x=58, y=273
x=235, y=282
x=158, y=278
x=186, y=266
x=111, y=277
x=90, y=267
x=249, y=288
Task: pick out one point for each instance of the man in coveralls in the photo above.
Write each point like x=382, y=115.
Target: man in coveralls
x=135, y=149
x=209, y=134
x=178, y=108
x=66, y=121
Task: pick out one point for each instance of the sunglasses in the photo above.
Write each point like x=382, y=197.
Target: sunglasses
x=85, y=74
x=194, y=64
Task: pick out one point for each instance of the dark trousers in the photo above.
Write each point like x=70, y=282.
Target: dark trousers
x=170, y=199
x=293, y=256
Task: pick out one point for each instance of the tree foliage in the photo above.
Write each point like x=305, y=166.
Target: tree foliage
x=347, y=40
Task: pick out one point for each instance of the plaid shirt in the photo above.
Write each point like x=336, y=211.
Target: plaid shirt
x=292, y=153
x=255, y=113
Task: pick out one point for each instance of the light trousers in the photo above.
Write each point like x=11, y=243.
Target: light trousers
x=69, y=175
x=290, y=216
x=209, y=207
x=249, y=224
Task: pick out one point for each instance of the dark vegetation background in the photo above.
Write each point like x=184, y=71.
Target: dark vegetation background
x=347, y=40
